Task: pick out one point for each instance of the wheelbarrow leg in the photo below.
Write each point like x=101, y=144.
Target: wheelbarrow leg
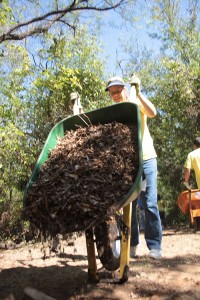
x=125, y=243
x=92, y=265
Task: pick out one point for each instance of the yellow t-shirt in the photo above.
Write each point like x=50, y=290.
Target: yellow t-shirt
x=193, y=163
x=147, y=141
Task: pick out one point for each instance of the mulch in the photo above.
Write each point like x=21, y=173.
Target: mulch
x=85, y=177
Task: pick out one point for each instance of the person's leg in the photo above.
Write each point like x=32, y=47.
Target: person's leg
x=141, y=212
x=141, y=219
x=153, y=228
x=134, y=225
x=163, y=220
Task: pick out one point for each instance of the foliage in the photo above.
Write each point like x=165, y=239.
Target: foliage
x=15, y=156
x=172, y=82
x=177, y=95
x=71, y=65
x=34, y=95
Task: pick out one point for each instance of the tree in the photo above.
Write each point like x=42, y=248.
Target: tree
x=171, y=80
x=67, y=65
x=34, y=96
x=14, y=154
x=178, y=83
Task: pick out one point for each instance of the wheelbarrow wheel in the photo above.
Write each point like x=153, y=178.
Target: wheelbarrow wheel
x=108, y=243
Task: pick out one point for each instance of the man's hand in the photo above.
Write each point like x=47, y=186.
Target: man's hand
x=135, y=81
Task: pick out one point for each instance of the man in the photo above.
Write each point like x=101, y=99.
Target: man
x=193, y=163
x=153, y=229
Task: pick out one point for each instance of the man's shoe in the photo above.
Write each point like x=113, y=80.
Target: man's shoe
x=133, y=251
x=155, y=253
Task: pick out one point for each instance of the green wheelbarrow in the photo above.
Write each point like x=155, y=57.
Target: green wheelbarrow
x=112, y=237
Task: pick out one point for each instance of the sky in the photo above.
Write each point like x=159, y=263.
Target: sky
x=111, y=36
x=111, y=39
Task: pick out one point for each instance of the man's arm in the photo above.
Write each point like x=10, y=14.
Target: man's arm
x=145, y=104
x=186, y=175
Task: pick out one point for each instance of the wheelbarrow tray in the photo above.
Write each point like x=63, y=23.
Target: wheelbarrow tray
x=187, y=204
x=126, y=113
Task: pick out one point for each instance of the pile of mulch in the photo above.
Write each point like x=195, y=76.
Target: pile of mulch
x=87, y=174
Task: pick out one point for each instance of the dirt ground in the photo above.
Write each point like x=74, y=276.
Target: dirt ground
x=63, y=275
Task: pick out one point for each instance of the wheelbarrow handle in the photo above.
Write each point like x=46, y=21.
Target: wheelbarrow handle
x=133, y=95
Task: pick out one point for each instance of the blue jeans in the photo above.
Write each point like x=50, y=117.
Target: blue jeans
x=153, y=228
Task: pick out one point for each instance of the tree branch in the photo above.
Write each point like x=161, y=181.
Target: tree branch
x=15, y=33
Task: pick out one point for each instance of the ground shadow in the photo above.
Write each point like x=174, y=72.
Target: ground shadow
x=59, y=282
x=55, y=281
x=71, y=282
